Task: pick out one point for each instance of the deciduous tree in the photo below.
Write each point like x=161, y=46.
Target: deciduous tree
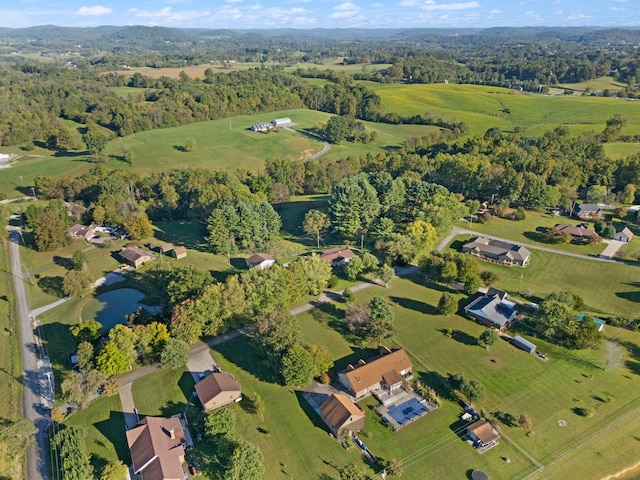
x=315, y=223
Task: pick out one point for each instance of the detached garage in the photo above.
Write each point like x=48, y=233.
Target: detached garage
x=523, y=344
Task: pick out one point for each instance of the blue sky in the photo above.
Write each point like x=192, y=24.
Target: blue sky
x=320, y=13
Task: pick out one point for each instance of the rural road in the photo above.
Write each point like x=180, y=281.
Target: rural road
x=326, y=146
x=37, y=376
x=463, y=231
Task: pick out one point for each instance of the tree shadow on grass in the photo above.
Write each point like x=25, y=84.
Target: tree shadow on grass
x=537, y=236
x=415, y=305
x=52, y=286
x=187, y=385
x=114, y=430
x=64, y=262
x=633, y=363
x=632, y=296
x=179, y=148
x=58, y=345
x=464, y=338
x=242, y=353
x=309, y=411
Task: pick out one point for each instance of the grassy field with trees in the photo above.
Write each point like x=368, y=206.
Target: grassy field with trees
x=295, y=442
x=485, y=107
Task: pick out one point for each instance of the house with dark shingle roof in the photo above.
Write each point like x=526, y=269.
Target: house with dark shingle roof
x=157, y=448
x=135, y=256
x=260, y=260
x=387, y=371
x=586, y=211
x=217, y=390
x=341, y=415
x=492, y=309
x=337, y=256
x=497, y=251
x=577, y=232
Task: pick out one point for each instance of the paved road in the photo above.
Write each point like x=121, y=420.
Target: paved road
x=33, y=369
x=326, y=146
x=463, y=231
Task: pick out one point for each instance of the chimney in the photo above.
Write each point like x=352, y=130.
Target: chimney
x=384, y=351
x=350, y=367
x=362, y=362
x=172, y=433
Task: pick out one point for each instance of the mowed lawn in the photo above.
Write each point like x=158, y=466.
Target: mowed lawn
x=296, y=444
x=608, y=289
x=485, y=107
x=532, y=230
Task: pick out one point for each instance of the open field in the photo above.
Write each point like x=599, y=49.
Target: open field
x=608, y=289
x=596, y=85
x=531, y=231
x=10, y=360
x=486, y=107
x=197, y=71
x=621, y=149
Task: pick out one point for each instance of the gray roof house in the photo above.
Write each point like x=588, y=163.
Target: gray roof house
x=523, y=344
x=497, y=251
x=586, y=210
x=623, y=234
x=493, y=309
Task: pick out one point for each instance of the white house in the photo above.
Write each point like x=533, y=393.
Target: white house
x=623, y=235
x=280, y=121
x=260, y=260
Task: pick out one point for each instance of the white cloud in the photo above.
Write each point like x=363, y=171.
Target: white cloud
x=495, y=11
x=577, y=16
x=432, y=5
x=167, y=14
x=93, y=11
x=408, y=3
x=620, y=1
x=345, y=10
x=377, y=5
x=233, y=1
x=618, y=9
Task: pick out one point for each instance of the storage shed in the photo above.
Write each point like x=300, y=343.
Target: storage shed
x=281, y=121
x=523, y=344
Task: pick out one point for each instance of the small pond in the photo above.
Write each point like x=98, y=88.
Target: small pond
x=110, y=308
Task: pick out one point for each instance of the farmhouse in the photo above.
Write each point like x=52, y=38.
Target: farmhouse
x=80, y=231
x=217, y=390
x=386, y=372
x=337, y=256
x=157, y=448
x=623, y=235
x=135, y=256
x=577, y=232
x=497, y=251
x=523, y=344
x=280, y=121
x=492, y=309
x=341, y=415
x=482, y=434
x=179, y=252
x=262, y=127
x=260, y=260
x=586, y=211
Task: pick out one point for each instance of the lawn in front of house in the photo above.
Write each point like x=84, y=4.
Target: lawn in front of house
x=531, y=231
x=608, y=289
x=103, y=423
x=297, y=443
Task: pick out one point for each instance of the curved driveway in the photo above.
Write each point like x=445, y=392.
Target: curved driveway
x=326, y=146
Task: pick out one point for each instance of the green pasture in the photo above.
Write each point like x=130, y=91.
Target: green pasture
x=531, y=231
x=596, y=84
x=607, y=288
x=485, y=107
x=10, y=354
x=619, y=150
